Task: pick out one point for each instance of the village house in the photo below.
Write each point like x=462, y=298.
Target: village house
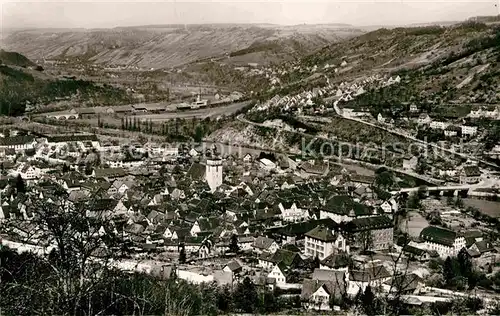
x=342, y=208
x=18, y=143
x=374, y=276
x=233, y=267
x=445, y=242
x=291, y=213
x=390, y=206
x=323, y=288
x=413, y=108
x=410, y=162
x=264, y=244
x=380, y=118
x=470, y=175
x=468, y=130
x=281, y=273
x=336, y=261
x=28, y=172
x=438, y=125
x=322, y=241
x=80, y=139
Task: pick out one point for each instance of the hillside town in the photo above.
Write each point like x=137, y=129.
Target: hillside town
x=315, y=230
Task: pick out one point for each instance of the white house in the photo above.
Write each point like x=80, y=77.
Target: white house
x=267, y=164
x=279, y=273
x=29, y=172
x=438, y=125
x=445, y=242
x=322, y=241
x=247, y=158
x=469, y=130
x=380, y=118
x=451, y=131
x=389, y=206
x=291, y=213
x=410, y=163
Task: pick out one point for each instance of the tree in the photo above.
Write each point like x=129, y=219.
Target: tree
x=384, y=179
x=450, y=201
x=233, y=246
x=68, y=277
x=182, y=255
x=20, y=186
x=224, y=302
x=316, y=262
x=198, y=134
x=422, y=166
x=464, y=263
x=366, y=240
x=413, y=201
x=448, y=273
x=459, y=203
x=246, y=297
x=368, y=300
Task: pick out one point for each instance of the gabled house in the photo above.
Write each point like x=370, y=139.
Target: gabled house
x=335, y=261
x=374, y=276
x=479, y=248
x=291, y=213
x=264, y=244
x=343, y=208
x=317, y=294
x=470, y=175
x=233, y=267
x=281, y=273
x=390, y=206
x=290, y=259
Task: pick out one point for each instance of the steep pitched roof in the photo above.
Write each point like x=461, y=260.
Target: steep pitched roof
x=335, y=260
x=345, y=205
x=323, y=233
x=439, y=235
x=472, y=171
x=309, y=287
x=369, y=274
x=262, y=242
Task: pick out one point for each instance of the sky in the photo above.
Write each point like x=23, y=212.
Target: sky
x=113, y=13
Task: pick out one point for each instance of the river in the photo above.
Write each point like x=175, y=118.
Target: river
x=491, y=208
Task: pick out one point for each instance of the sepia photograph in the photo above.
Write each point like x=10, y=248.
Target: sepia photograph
x=239, y=157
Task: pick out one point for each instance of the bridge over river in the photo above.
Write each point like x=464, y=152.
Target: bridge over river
x=487, y=184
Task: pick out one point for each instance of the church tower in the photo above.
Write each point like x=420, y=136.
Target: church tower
x=213, y=172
